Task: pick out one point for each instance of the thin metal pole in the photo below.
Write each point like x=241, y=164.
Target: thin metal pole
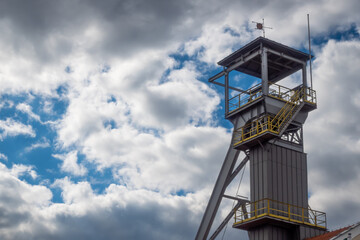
x=263, y=25
x=311, y=83
x=227, y=93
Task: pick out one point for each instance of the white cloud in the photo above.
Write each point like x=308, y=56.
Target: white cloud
x=70, y=163
x=13, y=128
x=3, y=157
x=19, y=203
x=25, y=108
x=44, y=143
x=117, y=213
x=6, y=103
x=332, y=133
x=20, y=169
x=182, y=158
x=211, y=49
x=176, y=102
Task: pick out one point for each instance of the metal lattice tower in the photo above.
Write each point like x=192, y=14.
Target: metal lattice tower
x=268, y=123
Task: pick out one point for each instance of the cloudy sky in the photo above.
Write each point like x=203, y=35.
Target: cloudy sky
x=109, y=129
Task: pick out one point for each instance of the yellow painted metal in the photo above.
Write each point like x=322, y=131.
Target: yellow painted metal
x=279, y=210
x=274, y=124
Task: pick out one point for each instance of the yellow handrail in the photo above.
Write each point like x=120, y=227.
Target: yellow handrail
x=287, y=110
x=255, y=92
x=268, y=123
x=243, y=99
x=279, y=210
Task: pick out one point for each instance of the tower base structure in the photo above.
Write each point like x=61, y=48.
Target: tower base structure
x=275, y=232
x=279, y=205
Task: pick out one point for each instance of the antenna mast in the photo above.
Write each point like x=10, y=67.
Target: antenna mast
x=311, y=83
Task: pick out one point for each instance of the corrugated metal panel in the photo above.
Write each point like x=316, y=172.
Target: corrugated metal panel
x=270, y=232
x=278, y=173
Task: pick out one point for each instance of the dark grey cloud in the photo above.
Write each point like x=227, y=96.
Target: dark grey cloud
x=133, y=222
x=126, y=27
x=117, y=214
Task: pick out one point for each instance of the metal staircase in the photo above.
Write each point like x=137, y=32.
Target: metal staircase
x=288, y=112
x=274, y=125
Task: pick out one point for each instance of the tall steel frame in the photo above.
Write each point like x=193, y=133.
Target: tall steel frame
x=267, y=120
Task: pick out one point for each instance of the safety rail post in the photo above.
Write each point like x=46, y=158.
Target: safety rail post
x=242, y=134
x=268, y=123
x=235, y=216
x=325, y=222
x=279, y=90
x=289, y=211
x=255, y=209
x=302, y=214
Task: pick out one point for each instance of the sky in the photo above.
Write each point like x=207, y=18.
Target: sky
x=110, y=130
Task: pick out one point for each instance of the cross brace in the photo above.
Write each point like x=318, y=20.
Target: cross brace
x=224, y=179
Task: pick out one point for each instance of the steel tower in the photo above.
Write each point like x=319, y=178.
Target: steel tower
x=268, y=121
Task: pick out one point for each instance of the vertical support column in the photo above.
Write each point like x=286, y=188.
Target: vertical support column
x=226, y=93
x=304, y=81
x=302, y=138
x=304, y=77
x=264, y=71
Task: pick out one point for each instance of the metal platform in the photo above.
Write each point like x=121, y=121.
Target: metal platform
x=265, y=210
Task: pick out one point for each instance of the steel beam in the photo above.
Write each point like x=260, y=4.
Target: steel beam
x=240, y=200
x=237, y=170
x=219, y=75
x=233, y=88
x=218, y=191
x=226, y=93
x=244, y=60
x=304, y=75
x=264, y=72
x=275, y=68
x=280, y=64
x=236, y=65
x=285, y=56
x=226, y=220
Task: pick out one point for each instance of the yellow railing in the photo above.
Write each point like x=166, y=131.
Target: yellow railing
x=255, y=128
x=309, y=95
x=279, y=210
x=287, y=111
x=280, y=92
x=275, y=124
x=243, y=99
x=275, y=90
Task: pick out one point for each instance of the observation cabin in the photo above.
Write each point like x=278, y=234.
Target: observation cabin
x=267, y=109
x=268, y=123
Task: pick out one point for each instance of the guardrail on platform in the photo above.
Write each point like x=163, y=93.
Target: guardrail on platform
x=292, y=97
x=279, y=210
x=275, y=90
